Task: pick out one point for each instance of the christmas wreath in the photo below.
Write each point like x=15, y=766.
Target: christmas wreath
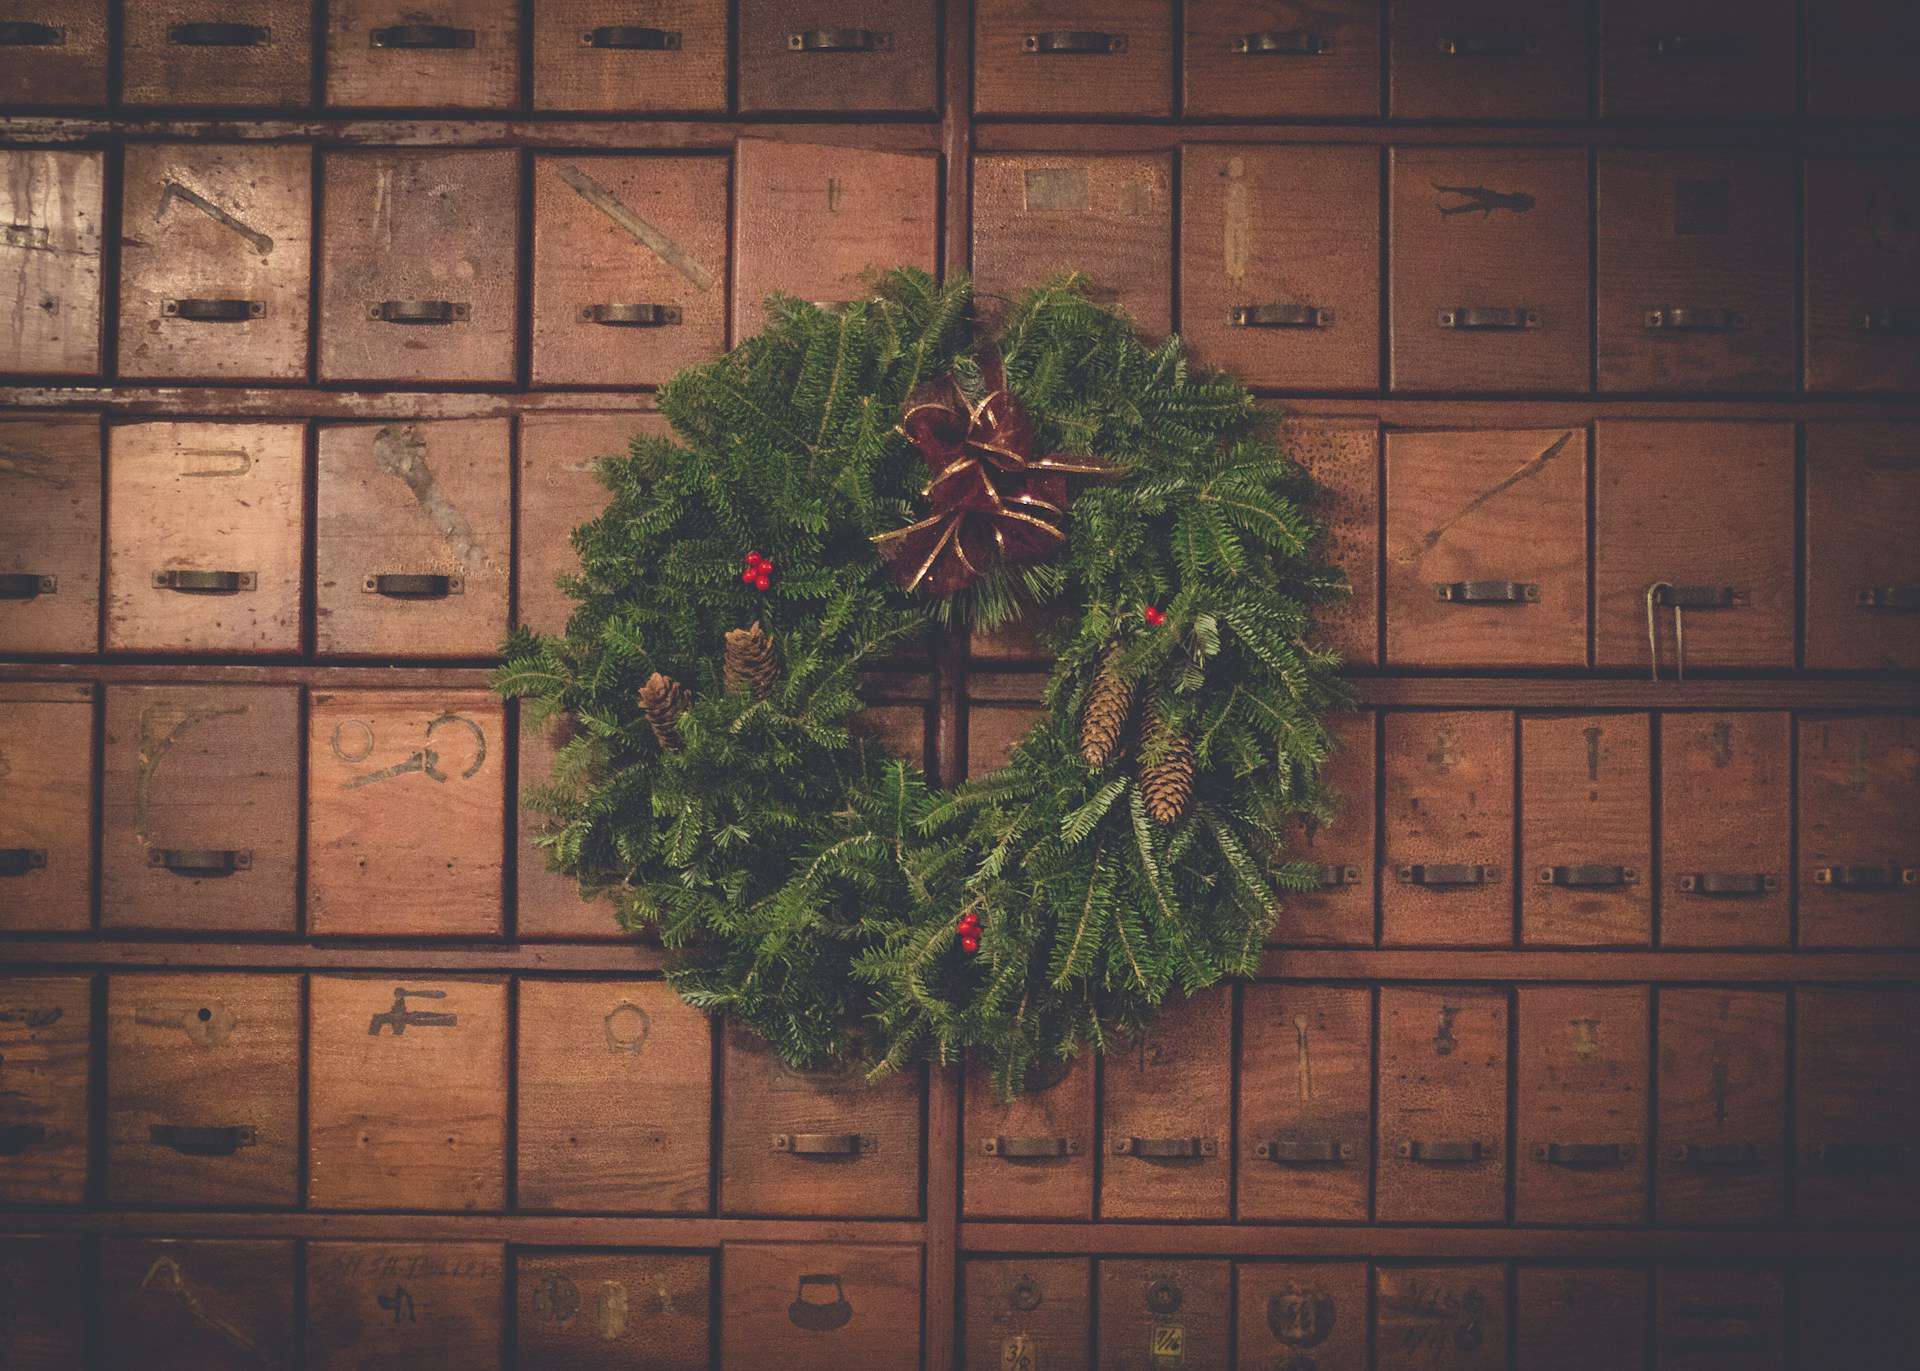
x=834, y=487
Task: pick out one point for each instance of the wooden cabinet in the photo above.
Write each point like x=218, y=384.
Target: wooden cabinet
x=1862, y=289
x=386, y=1306
x=1305, y=1102
x=1295, y=1314
x=46, y=808
x=1440, y=1318
x=606, y=56
x=1719, y=1318
x=1163, y=1312
x=46, y=1072
x=1442, y=1116
x=446, y=54
x=198, y=1304
x=1340, y=846
x=1250, y=59
x=1580, y=1142
x=1580, y=1318
x=841, y=56
x=1586, y=831
x=1858, y=783
x=1026, y=1313
x=1487, y=59
x=1073, y=57
x=1856, y=1105
x=1721, y=1119
x=1448, y=850
x=1030, y=1155
x=50, y=223
x=819, y=1306
x=1724, y=812
x=1863, y=568
x=1693, y=58
x=602, y=1310
x=54, y=52
x=1167, y=1114
x=245, y=53
x=50, y=528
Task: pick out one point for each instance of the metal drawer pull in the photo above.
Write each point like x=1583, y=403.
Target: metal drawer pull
x=1592, y=876
x=1074, y=42
x=840, y=40
x=1292, y=1152
x=401, y=585
x=419, y=311
x=18, y=861
x=1333, y=875
x=1695, y=45
x=1488, y=592
x=1437, y=874
x=205, y=582
x=1729, y=883
x=213, y=311
x=1029, y=1149
x=203, y=1140
x=1716, y=1154
x=1859, y=1156
x=1291, y=43
x=1866, y=877
x=421, y=37
x=198, y=861
x=1900, y=599
x=30, y=236
x=220, y=35
x=26, y=585
x=823, y=1144
x=1903, y=323
x=630, y=316
x=1279, y=316
x=25, y=33
x=1488, y=318
x=16, y=1138
x=1166, y=1149
x=1445, y=1153
x=631, y=38
x=1584, y=1154
x=1685, y=319
x=1699, y=597
x=1491, y=45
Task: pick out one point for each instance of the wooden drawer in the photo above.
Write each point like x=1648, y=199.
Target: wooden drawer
x=1861, y=1318
x=1343, y=458
x=1695, y=270
x=1862, y=291
x=1860, y=59
x=1280, y=263
x=1448, y=853
x=629, y=268
x=807, y=1143
x=204, y=531
x=418, y=277
x=1301, y=1315
x=559, y=491
x=1440, y=1318
x=1722, y=1115
x=1586, y=829
x=1031, y=1156
x=197, y=1305
x=400, y=783
x=46, y=818
x=1724, y=819
x=993, y=731
x=50, y=217
x=1863, y=567
x=1582, y=1124
x=201, y=818
x=244, y=53
x=388, y=1306
x=1106, y=57
x=606, y=56
x=1857, y=1105
x=1252, y=59
x=818, y=222
x=50, y=516
x=615, y=1092
x=549, y=904
x=1858, y=785
x=819, y=1307
x=1442, y=1151
x=1342, y=847
x=58, y=56
x=1305, y=1102
x=1167, y=1114
x=598, y=1311
x=1489, y=268
x=1026, y=1314
x=1581, y=1318
x=447, y=54
x=215, y=260
x=45, y=1078
x=1488, y=59
x=1698, y=515
x=1158, y=1312
x=838, y=55
x=1726, y=1318
x=1040, y=215
x=1486, y=548
x=409, y=1111
x=413, y=538
x=1720, y=58
x=46, y=1280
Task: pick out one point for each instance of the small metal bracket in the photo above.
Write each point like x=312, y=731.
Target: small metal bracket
x=420, y=311
x=16, y=1138
x=19, y=861
x=421, y=37
x=631, y=38
x=1893, y=321
x=1694, y=45
x=202, y=862
x=1166, y=1149
x=1716, y=1155
x=26, y=585
x=840, y=40
x=1857, y=877
x=408, y=585
x=26, y=33
x=1287, y=43
x=1896, y=599
x=1488, y=318
x=1447, y=1152
x=1488, y=592
x=1332, y=876
x=203, y=1140
x=213, y=311
x=630, y=316
x=1295, y=1152
x=1729, y=883
x=1699, y=597
x=1687, y=319
x=33, y=236
x=1490, y=45
x=826, y=1144
x=1074, y=42
x=1029, y=1149
x=1590, y=876
x=1860, y=1156
x=205, y=582
x=1279, y=316
x=1439, y=875
x=1580, y=1154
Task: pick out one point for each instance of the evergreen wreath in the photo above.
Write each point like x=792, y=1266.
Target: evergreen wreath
x=712, y=777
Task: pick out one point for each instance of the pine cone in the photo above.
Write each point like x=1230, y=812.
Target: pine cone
x=1108, y=705
x=750, y=662
x=1167, y=784
x=665, y=700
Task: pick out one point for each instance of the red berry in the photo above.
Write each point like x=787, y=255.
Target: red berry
x=749, y=576
x=1154, y=615
x=753, y=559
x=766, y=566
x=762, y=581
x=968, y=923
x=970, y=942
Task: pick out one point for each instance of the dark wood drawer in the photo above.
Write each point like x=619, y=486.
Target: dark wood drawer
x=445, y=54
x=609, y=56
x=838, y=55
x=1047, y=57
x=50, y=529
x=242, y=53
x=1252, y=59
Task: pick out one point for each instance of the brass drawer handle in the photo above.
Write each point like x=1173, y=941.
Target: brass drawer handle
x=404, y=585
x=1860, y=1156
x=1589, y=876
x=1446, y=1153
x=1279, y=316
x=1490, y=45
x=25, y=33
x=1856, y=877
x=213, y=311
x=1488, y=318
x=1029, y=1149
x=16, y=1138
x=630, y=316
x=419, y=311
x=19, y=861
x=1729, y=883
x=26, y=585
x=1074, y=43
x=840, y=40
x=631, y=38
x=1699, y=597
x=1694, y=45
x=1717, y=1155
x=824, y=1144
x=1438, y=875
x=1166, y=1149
x=1289, y=43
x=1686, y=319
x=199, y=861
x=1899, y=323
x=421, y=37
x=33, y=237
x=1903, y=599
x=1584, y=1154
x=219, y=35
x=1332, y=876
x=205, y=582
x=1488, y=592
x=203, y=1140
x=1294, y=1152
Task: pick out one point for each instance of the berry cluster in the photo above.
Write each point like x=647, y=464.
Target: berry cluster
x=758, y=572
x=969, y=926
x=1154, y=615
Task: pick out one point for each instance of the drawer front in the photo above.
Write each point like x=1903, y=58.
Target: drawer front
x=1859, y=855
x=252, y=53
x=400, y=783
x=604, y=56
x=50, y=515
x=819, y=1306
x=1489, y=254
x=1698, y=516
x=413, y=538
x=1581, y=1144
x=60, y=59
x=549, y=904
x=201, y=817
x=615, y=1093
x=50, y=220
x=1156, y=1313
x=1863, y=568
x=838, y=55
x=559, y=491
x=1030, y=1156
x=46, y=821
x=1440, y=1318
x=1447, y=864
x=1857, y=1317
x=1857, y=1105
x=447, y=54
x=1860, y=59
x=629, y=268
x=418, y=271
x=197, y=1305
x=1862, y=286
x=1027, y=1314
x=1724, y=813
x=1305, y=1106
x=1280, y=263
x=1689, y=58
x=1442, y=1150
x=1296, y=1315
x=1073, y=57
x=1488, y=59
x=993, y=732
x=215, y=260
x=1486, y=548
x=1581, y=1318
x=45, y=1074
x=1696, y=270
x=1722, y=1115
x=817, y=222
x=1167, y=1114
x=1281, y=58
x=1586, y=832
x=1341, y=846
x=599, y=1311
x=1719, y=1319
x=1040, y=215
x=1343, y=458
x=46, y=1282
x=378, y=1305
x=204, y=531
x=406, y=1093
x=816, y=1143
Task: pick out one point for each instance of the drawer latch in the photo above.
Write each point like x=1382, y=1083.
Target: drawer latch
x=1446, y=1153
x=1898, y=599
x=1488, y=318
x=1687, y=319
x=1579, y=1154
x=630, y=316
x=1729, y=883
x=208, y=862
x=840, y=40
x=1589, y=876
x=406, y=585
x=204, y=582
x=1296, y=1152
x=1029, y=1149
x=1490, y=45
x=1899, y=323
x=1286, y=43
x=213, y=311
x=1166, y=1149
x=826, y=1144
x=420, y=311
x=26, y=585
x=631, y=38
x=1488, y=592
x=25, y=33
x=1279, y=316
x=18, y=861
x=421, y=37
x=201, y=1140
x=1717, y=1155
x=1074, y=42
x=1859, y=1156
x=1333, y=875
x=1443, y=874
x=1855, y=877
x=213, y=34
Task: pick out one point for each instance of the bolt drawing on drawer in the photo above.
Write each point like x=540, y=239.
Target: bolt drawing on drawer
x=241, y=53
x=190, y=1304
x=1586, y=835
x=50, y=225
x=46, y=824
x=1441, y=1153
x=1163, y=1312
x=1447, y=862
x=46, y=1045
x=1725, y=816
x=1580, y=1141
x=50, y=534
x=1440, y=1318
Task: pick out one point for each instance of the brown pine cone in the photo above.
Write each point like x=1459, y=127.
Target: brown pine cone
x=750, y=663
x=665, y=700
x=1105, y=720
x=1166, y=784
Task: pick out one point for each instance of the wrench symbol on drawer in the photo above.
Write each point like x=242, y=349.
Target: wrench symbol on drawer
x=426, y=760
